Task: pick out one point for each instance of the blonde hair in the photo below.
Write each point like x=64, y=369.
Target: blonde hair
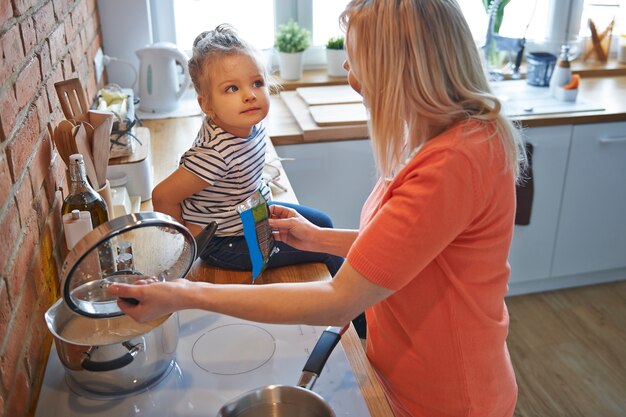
x=210, y=46
x=420, y=73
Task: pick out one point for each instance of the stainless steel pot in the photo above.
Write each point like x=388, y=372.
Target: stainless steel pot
x=104, y=352
x=112, y=356
x=286, y=400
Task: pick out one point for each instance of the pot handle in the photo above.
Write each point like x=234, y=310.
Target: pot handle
x=204, y=237
x=318, y=357
x=113, y=364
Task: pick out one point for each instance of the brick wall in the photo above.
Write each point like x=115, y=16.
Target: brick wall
x=41, y=42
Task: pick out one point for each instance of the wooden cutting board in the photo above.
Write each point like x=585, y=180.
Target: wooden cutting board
x=339, y=114
x=334, y=94
x=311, y=131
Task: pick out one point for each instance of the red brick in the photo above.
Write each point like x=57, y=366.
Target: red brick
x=40, y=166
x=19, y=398
x=43, y=108
x=11, y=53
x=8, y=113
x=6, y=183
x=5, y=312
x=29, y=36
x=44, y=60
x=12, y=351
x=23, y=143
x=23, y=261
x=24, y=197
x=6, y=11
x=21, y=6
x=60, y=8
x=57, y=43
x=27, y=83
x=9, y=230
x=44, y=21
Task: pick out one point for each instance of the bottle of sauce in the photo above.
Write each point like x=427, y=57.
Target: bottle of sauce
x=562, y=72
x=81, y=196
x=84, y=198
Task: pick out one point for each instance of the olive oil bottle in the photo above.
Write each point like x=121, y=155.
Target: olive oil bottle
x=81, y=196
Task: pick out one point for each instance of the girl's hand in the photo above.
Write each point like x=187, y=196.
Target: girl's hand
x=156, y=298
x=290, y=227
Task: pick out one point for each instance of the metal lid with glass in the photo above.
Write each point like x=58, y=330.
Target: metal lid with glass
x=125, y=249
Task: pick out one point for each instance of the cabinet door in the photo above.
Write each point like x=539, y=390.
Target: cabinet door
x=335, y=177
x=532, y=247
x=592, y=227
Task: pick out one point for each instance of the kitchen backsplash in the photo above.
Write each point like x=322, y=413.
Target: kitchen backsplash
x=41, y=42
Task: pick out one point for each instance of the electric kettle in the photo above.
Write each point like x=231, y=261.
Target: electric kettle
x=160, y=88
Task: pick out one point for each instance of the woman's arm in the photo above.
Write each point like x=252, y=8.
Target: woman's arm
x=168, y=195
x=333, y=302
x=292, y=228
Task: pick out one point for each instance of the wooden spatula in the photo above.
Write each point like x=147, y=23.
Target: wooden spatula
x=102, y=122
x=84, y=148
x=72, y=99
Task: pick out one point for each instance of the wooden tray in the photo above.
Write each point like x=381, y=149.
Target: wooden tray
x=335, y=94
x=311, y=131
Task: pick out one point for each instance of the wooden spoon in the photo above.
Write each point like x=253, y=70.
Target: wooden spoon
x=64, y=141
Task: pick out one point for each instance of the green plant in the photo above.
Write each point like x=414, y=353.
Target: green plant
x=498, y=14
x=290, y=37
x=335, y=42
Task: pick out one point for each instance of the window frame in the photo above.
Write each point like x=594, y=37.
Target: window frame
x=163, y=27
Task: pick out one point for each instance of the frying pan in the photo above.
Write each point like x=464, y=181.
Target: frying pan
x=287, y=400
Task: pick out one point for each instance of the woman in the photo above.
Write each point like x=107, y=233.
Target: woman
x=429, y=263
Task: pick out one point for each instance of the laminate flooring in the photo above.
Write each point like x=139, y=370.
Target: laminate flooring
x=568, y=349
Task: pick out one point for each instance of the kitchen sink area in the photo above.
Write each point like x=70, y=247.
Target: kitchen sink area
x=521, y=99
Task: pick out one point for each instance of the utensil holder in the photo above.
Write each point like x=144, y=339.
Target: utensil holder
x=105, y=193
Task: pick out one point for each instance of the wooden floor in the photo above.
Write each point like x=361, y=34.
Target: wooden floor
x=568, y=348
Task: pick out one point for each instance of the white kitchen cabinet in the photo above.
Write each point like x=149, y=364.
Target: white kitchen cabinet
x=335, y=177
x=533, y=244
x=592, y=227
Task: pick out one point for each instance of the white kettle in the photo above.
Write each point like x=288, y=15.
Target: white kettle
x=159, y=86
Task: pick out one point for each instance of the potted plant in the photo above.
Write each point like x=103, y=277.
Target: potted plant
x=336, y=56
x=291, y=41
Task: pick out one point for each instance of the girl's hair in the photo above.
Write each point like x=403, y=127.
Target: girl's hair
x=420, y=72
x=210, y=46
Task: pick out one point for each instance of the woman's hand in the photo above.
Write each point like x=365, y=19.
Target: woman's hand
x=156, y=298
x=290, y=227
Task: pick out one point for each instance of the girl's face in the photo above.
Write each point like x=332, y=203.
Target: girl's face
x=237, y=97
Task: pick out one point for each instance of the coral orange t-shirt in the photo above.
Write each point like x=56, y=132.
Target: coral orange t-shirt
x=438, y=234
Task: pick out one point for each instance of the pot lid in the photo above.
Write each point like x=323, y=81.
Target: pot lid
x=124, y=249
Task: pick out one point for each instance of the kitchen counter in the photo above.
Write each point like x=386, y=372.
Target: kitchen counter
x=169, y=139
x=608, y=92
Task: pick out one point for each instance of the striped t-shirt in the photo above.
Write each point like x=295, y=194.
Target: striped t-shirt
x=232, y=166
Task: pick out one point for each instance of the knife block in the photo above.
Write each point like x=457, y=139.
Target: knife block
x=137, y=167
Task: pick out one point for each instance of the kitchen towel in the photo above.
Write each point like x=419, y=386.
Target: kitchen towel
x=525, y=190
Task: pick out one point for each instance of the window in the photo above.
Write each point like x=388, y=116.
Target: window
x=545, y=23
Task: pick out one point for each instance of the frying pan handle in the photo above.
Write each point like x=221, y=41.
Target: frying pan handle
x=320, y=354
x=204, y=237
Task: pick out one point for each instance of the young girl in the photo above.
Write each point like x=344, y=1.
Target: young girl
x=224, y=166
x=429, y=262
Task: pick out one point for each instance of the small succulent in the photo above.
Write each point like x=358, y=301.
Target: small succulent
x=291, y=37
x=335, y=42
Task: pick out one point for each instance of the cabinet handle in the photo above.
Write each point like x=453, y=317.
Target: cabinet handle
x=612, y=140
